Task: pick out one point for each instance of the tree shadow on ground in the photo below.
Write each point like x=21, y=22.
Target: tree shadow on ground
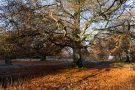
x=20, y=75
x=10, y=76
x=99, y=65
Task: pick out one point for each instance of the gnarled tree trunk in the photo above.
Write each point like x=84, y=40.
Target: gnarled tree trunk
x=77, y=58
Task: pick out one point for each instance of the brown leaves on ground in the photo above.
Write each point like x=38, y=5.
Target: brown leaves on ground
x=105, y=79
x=99, y=78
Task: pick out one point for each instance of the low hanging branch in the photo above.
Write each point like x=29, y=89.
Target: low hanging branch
x=59, y=23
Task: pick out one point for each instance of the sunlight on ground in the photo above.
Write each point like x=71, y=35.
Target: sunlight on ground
x=84, y=79
x=91, y=78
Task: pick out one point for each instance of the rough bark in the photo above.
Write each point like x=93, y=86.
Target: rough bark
x=77, y=58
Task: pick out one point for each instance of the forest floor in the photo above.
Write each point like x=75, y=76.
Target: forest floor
x=59, y=75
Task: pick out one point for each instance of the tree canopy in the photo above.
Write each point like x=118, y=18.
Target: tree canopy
x=48, y=26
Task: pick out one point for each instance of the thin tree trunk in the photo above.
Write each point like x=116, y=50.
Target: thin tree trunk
x=120, y=56
x=77, y=58
x=127, y=56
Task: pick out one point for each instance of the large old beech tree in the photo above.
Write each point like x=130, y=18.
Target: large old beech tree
x=66, y=23
x=75, y=19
